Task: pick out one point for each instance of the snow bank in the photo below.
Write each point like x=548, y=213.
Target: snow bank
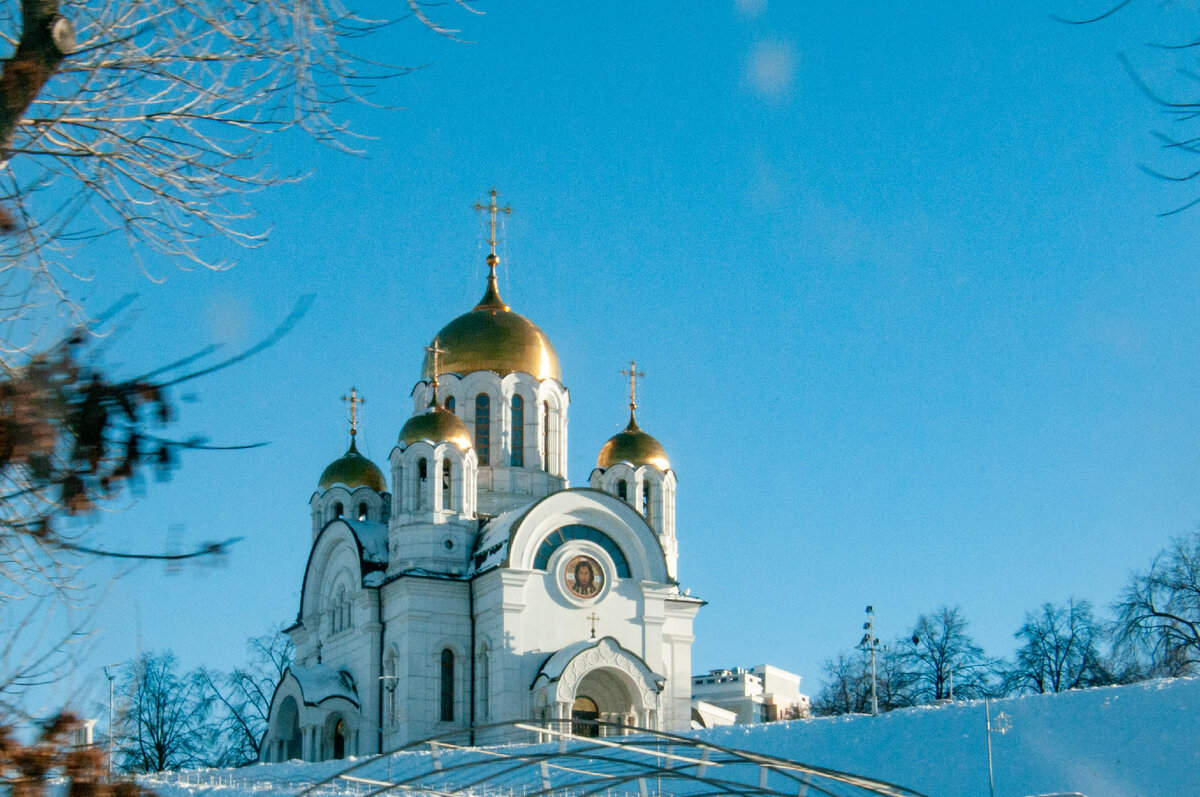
x=1129, y=741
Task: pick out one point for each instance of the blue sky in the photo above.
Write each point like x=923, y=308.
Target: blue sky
x=914, y=332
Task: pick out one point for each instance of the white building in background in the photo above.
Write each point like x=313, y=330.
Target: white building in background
x=744, y=696
x=472, y=584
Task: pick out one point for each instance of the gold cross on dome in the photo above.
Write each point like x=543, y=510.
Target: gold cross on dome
x=633, y=373
x=434, y=351
x=492, y=208
x=594, y=620
x=354, y=400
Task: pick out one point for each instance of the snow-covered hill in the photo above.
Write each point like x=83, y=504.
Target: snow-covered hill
x=1130, y=741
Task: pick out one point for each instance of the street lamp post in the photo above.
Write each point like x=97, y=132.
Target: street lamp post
x=871, y=643
x=1002, y=725
x=110, y=677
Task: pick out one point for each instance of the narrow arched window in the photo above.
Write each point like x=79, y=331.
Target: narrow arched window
x=546, y=436
x=623, y=490
x=447, y=712
x=446, y=484
x=450, y=403
x=362, y=511
x=483, y=428
x=646, y=499
x=517, y=460
x=338, y=509
x=422, y=478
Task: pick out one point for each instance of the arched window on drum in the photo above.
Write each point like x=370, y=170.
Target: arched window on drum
x=517, y=459
x=560, y=536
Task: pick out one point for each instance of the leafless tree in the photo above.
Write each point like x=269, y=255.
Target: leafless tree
x=242, y=698
x=940, y=653
x=846, y=683
x=1158, y=616
x=148, y=119
x=845, y=687
x=164, y=718
x=1059, y=650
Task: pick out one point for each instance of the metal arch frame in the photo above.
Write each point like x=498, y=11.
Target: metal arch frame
x=604, y=764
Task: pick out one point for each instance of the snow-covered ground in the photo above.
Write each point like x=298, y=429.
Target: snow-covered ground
x=1130, y=741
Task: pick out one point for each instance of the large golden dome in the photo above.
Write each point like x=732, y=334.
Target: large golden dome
x=353, y=470
x=493, y=338
x=633, y=446
x=436, y=425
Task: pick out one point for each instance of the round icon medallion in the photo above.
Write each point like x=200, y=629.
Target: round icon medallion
x=583, y=576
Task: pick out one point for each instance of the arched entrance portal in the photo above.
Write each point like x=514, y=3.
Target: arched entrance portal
x=290, y=741
x=597, y=680
x=339, y=740
x=607, y=692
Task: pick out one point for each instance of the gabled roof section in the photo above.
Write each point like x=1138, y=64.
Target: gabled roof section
x=372, y=540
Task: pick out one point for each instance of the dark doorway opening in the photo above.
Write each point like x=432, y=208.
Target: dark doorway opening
x=583, y=717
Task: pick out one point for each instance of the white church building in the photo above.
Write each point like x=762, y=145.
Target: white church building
x=472, y=585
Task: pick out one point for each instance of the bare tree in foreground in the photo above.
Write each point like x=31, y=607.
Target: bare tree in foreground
x=148, y=120
x=1176, y=50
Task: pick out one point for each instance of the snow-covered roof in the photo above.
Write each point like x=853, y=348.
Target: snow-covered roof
x=553, y=668
x=373, y=537
x=319, y=682
x=492, y=548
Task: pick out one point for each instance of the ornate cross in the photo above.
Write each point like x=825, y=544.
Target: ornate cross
x=633, y=373
x=493, y=209
x=354, y=400
x=434, y=351
x=594, y=620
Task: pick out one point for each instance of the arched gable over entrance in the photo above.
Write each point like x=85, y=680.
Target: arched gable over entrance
x=610, y=516
x=598, y=678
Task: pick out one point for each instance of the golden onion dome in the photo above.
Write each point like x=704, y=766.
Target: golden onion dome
x=353, y=470
x=633, y=446
x=491, y=337
x=436, y=425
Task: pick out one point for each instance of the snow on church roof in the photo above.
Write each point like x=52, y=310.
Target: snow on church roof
x=373, y=539
x=492, y=547
x=319, y=683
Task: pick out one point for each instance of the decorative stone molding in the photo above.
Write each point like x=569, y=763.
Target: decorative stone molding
x=605, y=654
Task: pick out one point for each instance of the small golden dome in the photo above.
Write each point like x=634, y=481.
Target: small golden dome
x=493, y=338
x=353, y=470
x=437, y=425
x=633, y=446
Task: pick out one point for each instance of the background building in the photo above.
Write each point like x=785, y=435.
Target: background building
x=742, y=696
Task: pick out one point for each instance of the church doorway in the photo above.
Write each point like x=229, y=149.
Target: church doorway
x=584, y=714
x=604, y=695
x=339, y=740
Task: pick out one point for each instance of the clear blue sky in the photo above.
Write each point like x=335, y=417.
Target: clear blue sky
x=914, y=333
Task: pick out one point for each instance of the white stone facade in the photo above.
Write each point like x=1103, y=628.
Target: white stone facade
x=482, y=588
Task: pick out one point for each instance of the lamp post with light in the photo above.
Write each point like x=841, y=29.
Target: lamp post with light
x=871, y=643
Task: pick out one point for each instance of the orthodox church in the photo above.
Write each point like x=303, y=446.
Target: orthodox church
x=473, y=585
